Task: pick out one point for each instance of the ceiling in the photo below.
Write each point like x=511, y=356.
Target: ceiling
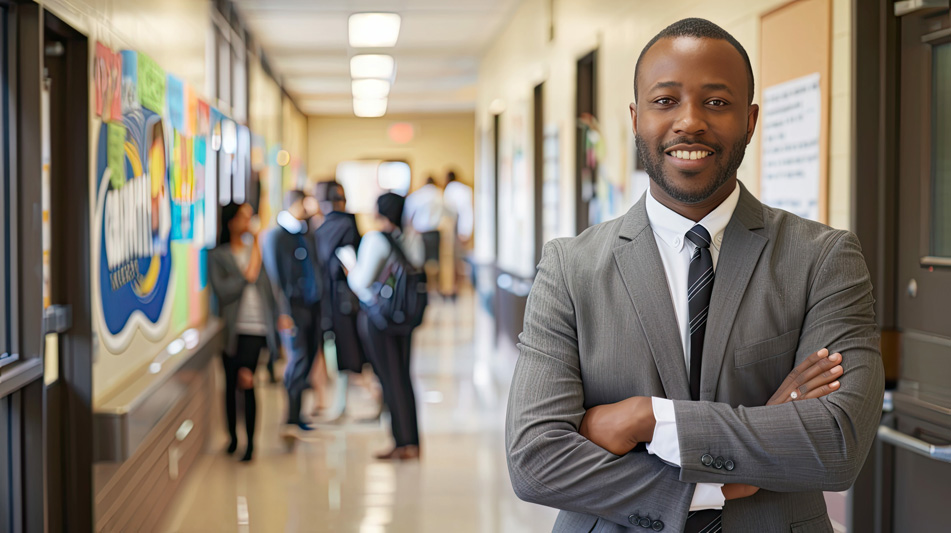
x=437, y=55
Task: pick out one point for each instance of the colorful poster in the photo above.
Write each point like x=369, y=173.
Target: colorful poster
x=108, y=75
x=191, y=112
x=181, y=263
x=130, y=81
x=176, y=103
x=132, y=260
x=151, y=84
x=115, y=153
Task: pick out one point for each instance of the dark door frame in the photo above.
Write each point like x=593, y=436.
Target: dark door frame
x=538, y=146
x=69, y=401
x=586, y=101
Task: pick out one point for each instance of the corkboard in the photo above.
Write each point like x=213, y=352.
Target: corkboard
x=796, y=40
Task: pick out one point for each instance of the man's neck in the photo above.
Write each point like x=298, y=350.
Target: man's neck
x=696, y=211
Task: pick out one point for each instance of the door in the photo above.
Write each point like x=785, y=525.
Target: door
x=923, y=399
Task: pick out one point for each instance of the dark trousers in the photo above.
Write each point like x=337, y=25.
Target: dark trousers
x=246, y=355
x=301, y=346
x=390, y=357
x=431, y=241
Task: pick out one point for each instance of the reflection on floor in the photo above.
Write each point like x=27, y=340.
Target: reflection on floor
x=330, y=483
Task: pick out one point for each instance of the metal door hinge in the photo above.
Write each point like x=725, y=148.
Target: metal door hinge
x=57, y=319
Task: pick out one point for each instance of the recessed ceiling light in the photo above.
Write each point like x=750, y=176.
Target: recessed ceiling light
x=370, y=89
x=369, y=108
x=378, y=66
x=374, y=30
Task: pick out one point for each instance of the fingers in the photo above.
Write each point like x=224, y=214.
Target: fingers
x=823, y=365
x=821, y=391
x=824, y=378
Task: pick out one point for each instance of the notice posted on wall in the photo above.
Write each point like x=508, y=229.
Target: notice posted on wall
x=791, y=123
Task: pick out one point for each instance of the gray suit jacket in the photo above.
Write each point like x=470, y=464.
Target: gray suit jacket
x=600, y=327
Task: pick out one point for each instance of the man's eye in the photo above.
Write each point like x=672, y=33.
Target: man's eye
x=664, y=101
x=716, y=102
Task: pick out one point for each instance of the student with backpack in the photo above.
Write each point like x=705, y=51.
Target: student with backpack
x=391, y=285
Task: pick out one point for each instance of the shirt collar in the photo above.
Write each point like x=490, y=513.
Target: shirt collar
x=288, y=222
x=671, y=226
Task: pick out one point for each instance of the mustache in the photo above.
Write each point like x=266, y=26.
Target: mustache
x=688, y=140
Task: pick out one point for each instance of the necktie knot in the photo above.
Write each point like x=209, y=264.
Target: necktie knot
x=699, y=236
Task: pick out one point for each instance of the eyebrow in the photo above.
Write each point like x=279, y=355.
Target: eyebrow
x=706, y=87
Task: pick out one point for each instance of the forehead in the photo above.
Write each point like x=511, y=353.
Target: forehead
x=693, y=61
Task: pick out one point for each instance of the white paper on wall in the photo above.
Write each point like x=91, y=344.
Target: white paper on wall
x=790, y=163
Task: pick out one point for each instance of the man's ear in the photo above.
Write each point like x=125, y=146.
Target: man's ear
x=634, y=117
x=751, y=122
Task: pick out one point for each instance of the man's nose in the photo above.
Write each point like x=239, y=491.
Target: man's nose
x=690, y=120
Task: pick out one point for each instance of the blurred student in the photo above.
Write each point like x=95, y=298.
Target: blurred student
x=293, y=267
x=383, y=256
x=457, y=198
x=423, y=213
x=246, y=304
x=339, y=230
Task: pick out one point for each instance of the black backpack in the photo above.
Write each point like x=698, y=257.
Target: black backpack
x=401, y=294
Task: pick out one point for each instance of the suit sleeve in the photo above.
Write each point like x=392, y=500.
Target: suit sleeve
x=817, y=444
x=549, y=462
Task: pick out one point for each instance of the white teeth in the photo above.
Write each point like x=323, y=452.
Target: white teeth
x=690, y=155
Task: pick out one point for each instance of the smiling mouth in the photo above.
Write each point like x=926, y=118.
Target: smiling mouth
x=689, y=155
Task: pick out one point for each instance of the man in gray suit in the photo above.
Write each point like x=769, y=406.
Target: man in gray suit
x=701, y=324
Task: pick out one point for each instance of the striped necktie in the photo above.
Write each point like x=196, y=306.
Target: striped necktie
x=699, y=289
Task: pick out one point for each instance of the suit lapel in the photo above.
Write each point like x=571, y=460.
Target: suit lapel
x=742, y=246
x=643, y=273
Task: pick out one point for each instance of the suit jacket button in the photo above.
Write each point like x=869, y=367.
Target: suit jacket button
x=707, y=459
x=718, y=463
x=729, y=465
x=634, y=519
x=657, y=525
x=645, y=522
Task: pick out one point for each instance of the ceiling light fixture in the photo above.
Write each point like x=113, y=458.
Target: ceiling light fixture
x=379, y=66
x=370, y=89
x=369, y=108
x=374, y=30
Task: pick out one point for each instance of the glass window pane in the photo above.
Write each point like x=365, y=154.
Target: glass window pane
x=941, y=153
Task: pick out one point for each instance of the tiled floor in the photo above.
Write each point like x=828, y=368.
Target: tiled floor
x=330, y=483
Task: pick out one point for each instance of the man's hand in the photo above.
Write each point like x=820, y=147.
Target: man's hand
x=285, y=323
x=618, y=427
x=817, y=376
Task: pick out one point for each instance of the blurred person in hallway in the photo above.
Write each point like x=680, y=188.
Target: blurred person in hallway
x=746, y=422
x=246, y=304
x=341, y=306
x=380, y=256
x=457, y=197
x=424, y=213
x=293, y=267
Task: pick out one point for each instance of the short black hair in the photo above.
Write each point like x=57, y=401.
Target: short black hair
x=700, y=29
x=451, y=176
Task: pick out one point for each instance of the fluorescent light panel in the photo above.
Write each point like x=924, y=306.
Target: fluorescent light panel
x=369, y=108
x=374, y=30
x=370, y=89
x=379, y=66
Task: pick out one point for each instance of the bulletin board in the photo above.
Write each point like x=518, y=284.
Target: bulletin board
x=796, y=48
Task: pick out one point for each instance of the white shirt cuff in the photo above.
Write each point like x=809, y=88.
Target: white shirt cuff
x=665, y=443
x=707, y=496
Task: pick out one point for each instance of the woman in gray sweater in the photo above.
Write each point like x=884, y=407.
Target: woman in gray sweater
x=246, y=304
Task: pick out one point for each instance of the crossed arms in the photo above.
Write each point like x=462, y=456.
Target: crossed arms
x=814, y=444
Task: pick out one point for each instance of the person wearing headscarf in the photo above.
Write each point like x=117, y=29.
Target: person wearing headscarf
x=389, y=354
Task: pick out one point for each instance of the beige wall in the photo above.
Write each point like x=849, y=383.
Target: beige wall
x=441, y=142
x=522, y=57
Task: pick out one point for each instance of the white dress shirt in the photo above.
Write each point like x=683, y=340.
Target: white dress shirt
x=372, y=256
x=458, y=198
x=675, y=249
x=424, y=209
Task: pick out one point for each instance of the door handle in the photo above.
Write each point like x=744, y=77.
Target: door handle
x=900, y=440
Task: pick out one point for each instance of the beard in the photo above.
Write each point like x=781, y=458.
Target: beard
x=725, y=167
